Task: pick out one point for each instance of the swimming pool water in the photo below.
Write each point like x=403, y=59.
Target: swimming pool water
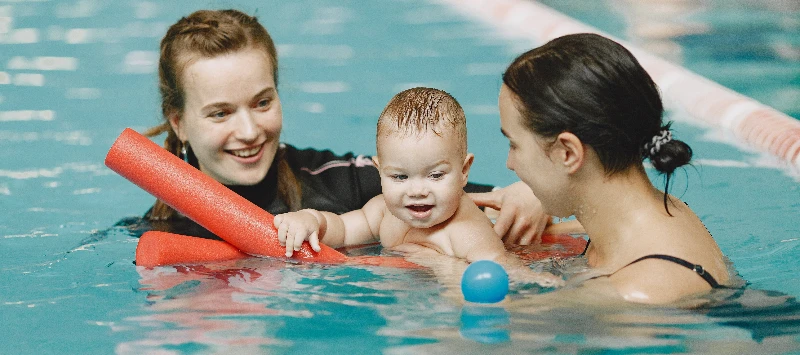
x=73, y=74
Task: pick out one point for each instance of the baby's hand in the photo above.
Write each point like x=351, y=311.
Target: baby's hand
x=546, y=279
x=296, y=227
x=527, y=275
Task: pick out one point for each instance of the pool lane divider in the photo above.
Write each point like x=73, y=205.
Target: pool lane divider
x=757, y=125
x=204, y=200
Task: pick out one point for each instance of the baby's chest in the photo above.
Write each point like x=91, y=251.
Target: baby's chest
x=398, y=234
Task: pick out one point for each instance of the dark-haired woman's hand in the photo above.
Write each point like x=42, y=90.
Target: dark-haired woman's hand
x=520, y=218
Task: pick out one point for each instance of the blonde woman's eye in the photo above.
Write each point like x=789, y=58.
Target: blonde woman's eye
x=218, y=114
x=263, y=103
x=399, y=177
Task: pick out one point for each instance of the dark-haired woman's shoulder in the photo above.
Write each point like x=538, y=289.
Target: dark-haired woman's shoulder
x=657, y=281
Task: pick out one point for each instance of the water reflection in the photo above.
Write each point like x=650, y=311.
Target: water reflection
x=240, y=306
x=254, y=305
x=189, y=303
x=485, y=324
x=575, y=319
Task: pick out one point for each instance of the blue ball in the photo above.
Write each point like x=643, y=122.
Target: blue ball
x=484, y=281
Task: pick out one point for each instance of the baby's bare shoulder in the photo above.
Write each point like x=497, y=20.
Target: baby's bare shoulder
x=472, y=231
x=469, y=219
x=469, y=226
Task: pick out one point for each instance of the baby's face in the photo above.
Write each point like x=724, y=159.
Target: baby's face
x=422, y=177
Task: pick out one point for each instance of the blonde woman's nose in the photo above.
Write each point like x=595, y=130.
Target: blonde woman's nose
x=246, y=127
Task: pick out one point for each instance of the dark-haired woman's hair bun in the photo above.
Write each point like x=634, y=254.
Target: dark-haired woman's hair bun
x=671, y=156
x=665, y=153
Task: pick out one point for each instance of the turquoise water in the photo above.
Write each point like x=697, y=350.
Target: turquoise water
x=73, y=74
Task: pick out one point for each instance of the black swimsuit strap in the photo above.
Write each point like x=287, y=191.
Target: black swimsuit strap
x=694, y=267
x=587, y=246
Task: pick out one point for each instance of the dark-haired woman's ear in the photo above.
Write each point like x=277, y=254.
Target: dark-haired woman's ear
x=568, y=151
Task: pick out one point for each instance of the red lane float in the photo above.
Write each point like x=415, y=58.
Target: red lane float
x=551, y=246
x=163, y=248
x=203, y=199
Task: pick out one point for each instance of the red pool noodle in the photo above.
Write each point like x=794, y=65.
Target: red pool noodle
x=203, y=199
x=161, y=248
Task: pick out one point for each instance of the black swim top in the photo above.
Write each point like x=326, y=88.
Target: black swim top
x=697, y=268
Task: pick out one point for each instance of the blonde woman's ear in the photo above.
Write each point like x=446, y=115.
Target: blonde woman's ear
x=175, y=123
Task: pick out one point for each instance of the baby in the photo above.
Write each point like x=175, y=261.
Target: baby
x=423, y=164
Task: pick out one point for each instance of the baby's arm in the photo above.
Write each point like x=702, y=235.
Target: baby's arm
x=352, y=228
x=475, y=242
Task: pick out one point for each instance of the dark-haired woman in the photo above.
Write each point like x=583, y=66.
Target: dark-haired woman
x=581, y=115
x=218, y=75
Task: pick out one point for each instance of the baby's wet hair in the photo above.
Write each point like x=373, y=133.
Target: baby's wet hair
x=418, y=110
